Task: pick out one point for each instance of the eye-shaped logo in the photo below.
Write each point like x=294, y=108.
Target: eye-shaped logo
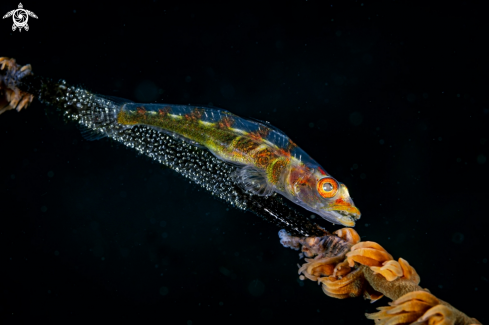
x=20, y=17
x=327, y=187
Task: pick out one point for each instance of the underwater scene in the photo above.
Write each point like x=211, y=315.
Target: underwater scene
x=161, y=158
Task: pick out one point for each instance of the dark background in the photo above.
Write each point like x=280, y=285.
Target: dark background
x=390, y=97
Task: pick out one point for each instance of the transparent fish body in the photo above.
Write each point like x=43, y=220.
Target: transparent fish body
x=268, y=161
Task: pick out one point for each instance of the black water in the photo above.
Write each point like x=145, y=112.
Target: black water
x=390, y=98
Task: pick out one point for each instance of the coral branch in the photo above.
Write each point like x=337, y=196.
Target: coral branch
x=365, y=268
x=11, y=97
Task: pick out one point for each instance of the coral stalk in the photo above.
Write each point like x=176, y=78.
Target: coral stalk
x=347, y=267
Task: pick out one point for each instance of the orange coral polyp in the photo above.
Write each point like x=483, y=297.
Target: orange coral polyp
x=438, y=315
x=319, y=270
x=316, y=268
x=407, y=309
x=350, y=285
x=408, y=271
x=368, y=253
x=391, y=270
x=348, y=234
x=341, y=269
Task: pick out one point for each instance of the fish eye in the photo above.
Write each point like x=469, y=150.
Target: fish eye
x=327, y=187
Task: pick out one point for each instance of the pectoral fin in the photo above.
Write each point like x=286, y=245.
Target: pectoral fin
x=253, y=180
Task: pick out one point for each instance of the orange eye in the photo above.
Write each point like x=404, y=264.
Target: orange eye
x=327, y=187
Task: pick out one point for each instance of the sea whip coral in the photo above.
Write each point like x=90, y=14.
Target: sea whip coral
x=347, y=267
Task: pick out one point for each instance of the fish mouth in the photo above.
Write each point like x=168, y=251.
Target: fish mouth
x=345, y=216
x=342, y=210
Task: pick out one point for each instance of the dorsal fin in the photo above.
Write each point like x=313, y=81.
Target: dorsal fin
x=276, y=136
x=115, y=99
x=268, y=125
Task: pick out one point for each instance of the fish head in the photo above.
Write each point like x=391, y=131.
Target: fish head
x=315, y=190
